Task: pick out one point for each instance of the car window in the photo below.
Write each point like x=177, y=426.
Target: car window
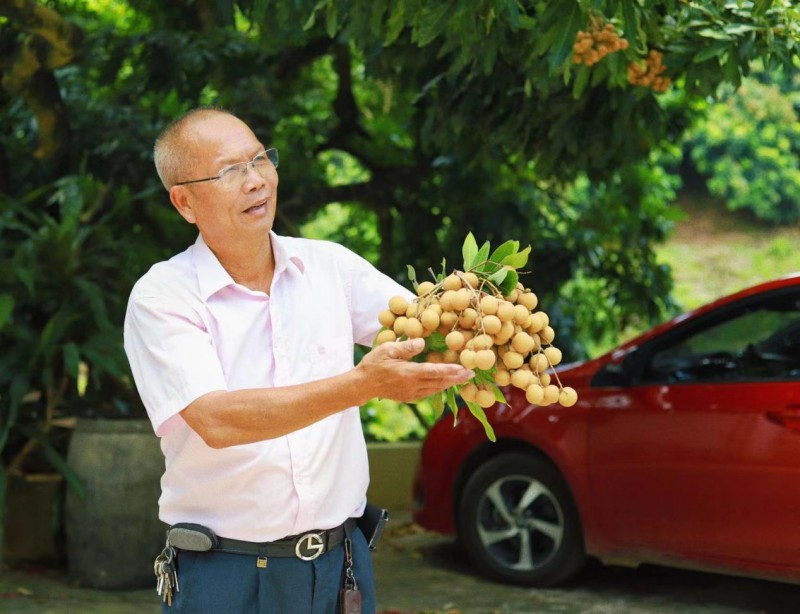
x=755, y=342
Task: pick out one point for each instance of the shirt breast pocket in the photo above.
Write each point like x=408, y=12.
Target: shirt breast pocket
x=331, y=357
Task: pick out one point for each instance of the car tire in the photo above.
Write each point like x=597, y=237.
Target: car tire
x=518, y=522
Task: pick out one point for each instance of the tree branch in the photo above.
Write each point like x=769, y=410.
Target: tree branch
x=27, y=70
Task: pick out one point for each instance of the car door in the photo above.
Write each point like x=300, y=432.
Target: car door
x=700, y=455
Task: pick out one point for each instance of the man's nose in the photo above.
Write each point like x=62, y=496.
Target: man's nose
x=253, y=180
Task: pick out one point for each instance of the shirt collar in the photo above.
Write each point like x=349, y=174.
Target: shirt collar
x=212, y=276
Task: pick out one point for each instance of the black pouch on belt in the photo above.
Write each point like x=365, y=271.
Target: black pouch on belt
x=372, y=524
x=192, y=537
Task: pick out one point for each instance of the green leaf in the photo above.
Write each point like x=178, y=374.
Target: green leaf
x=631, y=23
x=477, y=411
x=451, y=401
x=437, y=342
x=510, y=282
x=710, y=52
x=581, y=81
x=437, y=402
x=6, y=309
x=498, y=394
x=396, y=22
x=566, y=25
x=518, y=260
x=412, y=276
x=498, y=276
x=331, y=19
x=761, y=6
x=72, y=359
x=481, y=256
x=469, y=250
x=506, y=249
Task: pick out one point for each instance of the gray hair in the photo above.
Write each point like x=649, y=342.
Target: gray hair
x=169, y=148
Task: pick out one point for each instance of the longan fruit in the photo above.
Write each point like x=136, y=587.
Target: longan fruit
x=553, y=355
x=450, y=356
x=513, y=360
x=468, y=392
x=386, y=318
x=482, y=342
x=448, y=319
x=502, y=377
x=467, y=358
x=399, y=326
x=429, y=319
x=522, y=343
x=551, y=393
x=485, y=398
x=454, y=340
x=435, y=357
x=547, y=334
x=398, y=305
x=470, y=280
x=452, y=282
x=537, y=322
x=384, y=336
x=521, y=315
x=413, y=309
x=413, y=328
x=468, y=318
x=544, y=378
x=534, y=394
x=485, y=359
x=489, y=305
x=491, y=324
x=538, y=363
x=505, y=311
x=567, y=397
x=521, y=379
x=529, y=300
x=446, y=300
x=461, y=299
x=425, y=287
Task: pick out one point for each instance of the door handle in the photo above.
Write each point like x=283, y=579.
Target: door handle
x=788, y=418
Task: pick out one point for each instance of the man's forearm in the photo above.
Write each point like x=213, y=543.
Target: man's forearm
x=230, y=418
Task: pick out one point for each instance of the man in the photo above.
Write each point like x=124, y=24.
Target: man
x=242, y=351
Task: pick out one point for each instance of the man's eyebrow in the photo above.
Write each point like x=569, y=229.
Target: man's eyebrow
x=231, y=160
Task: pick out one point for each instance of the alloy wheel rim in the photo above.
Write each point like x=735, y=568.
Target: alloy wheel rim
x=520, y=523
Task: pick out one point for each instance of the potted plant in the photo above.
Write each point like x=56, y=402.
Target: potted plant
x=66, y=270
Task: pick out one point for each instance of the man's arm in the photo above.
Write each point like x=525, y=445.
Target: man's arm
x=229, y=418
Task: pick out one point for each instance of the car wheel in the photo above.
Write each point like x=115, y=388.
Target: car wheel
x=518, y=522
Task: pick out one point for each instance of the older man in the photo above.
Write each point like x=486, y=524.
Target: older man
x=242, y=351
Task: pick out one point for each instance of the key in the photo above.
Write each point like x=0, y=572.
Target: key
x=166, y=574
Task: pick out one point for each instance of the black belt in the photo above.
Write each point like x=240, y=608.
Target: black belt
x=307, y=546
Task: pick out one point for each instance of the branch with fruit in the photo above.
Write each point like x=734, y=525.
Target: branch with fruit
x=484, y=318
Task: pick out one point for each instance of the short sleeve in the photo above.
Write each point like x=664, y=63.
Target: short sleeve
x=172, y=357
x=370, y=291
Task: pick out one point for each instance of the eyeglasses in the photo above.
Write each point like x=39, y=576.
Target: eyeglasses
x=233, y=176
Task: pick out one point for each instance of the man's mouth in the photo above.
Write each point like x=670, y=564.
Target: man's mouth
x=258, y=207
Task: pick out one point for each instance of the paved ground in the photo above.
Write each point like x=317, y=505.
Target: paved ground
x=424, y=573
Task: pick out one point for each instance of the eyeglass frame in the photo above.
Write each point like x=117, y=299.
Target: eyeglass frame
x=272, y=156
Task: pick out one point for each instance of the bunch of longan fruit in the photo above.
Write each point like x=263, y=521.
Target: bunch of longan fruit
x=649, y=74
x=500, y=336
x=592, y=46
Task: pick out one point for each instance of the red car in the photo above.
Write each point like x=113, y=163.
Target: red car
x=683, y=450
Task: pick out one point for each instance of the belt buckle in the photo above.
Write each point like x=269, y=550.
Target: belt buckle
x=310, y=546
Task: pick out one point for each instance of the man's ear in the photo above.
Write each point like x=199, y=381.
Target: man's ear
x=181, y=199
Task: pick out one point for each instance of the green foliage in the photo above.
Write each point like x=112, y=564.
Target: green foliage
x=748, y=146
x=66, y=268
x=403, y=125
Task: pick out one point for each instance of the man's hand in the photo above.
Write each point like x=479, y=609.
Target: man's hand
x=391, y=375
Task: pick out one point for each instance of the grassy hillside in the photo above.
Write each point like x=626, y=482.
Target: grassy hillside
x=714, y=252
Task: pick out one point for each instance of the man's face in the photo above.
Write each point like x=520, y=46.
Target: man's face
x=225, y=216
